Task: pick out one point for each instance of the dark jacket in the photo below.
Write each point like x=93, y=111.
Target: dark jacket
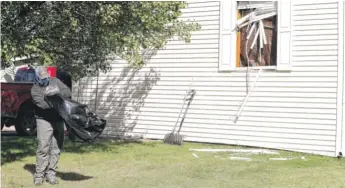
x=42, y=109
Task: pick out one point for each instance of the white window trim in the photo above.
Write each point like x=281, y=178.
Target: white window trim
x=284, y=65
x=257, y=68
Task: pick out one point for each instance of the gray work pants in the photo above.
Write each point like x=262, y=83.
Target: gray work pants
x=50, y=141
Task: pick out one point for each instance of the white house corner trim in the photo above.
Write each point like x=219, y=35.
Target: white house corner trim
x=340, y=129
x=343, y=105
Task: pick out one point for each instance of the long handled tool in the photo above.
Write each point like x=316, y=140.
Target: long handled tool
x=177, y=138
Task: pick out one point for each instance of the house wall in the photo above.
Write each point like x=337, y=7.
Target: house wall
x=294, y=110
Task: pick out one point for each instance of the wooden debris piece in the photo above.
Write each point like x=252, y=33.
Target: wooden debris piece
x=240, y=158
x=253, y=151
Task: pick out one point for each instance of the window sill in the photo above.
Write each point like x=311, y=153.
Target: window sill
x=256, y=68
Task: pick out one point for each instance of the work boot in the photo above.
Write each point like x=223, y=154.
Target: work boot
x=38, y=182
x=52, y=180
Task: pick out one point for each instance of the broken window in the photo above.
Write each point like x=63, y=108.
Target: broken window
x=257, y=33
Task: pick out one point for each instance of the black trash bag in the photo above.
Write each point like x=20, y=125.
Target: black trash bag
x=80, y=120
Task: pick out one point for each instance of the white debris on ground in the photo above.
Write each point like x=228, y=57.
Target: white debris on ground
x=280, y=159
x=240, y=158
x=251, y=151
x=195, y=155
x=237, y=154
x=286, y=158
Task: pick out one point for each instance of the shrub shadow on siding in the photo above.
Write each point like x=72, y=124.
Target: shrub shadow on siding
x=120, y=97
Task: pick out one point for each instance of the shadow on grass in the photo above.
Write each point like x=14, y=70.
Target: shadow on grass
x=16, y=148
x=66, y=176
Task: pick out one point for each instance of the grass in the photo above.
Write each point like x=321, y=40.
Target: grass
x=155, y=165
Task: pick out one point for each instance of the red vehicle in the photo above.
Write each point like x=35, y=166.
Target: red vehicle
x=16, y=103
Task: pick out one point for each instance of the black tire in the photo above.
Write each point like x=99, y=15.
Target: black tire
x=2, y=125
x=26, y=121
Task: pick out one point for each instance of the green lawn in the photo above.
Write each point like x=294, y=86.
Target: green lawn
x=155, y=165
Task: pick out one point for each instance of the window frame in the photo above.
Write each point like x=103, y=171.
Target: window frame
x=239, y=41
x=227, y=63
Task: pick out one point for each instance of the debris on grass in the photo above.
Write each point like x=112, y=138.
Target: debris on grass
x=220, y=157
x=252, y=151
x=280, y=159
x=246, y=154
x=241, y=158
x=196, y=156
x=287, y=158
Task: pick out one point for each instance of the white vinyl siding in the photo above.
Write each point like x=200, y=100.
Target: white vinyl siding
x=294, y=110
